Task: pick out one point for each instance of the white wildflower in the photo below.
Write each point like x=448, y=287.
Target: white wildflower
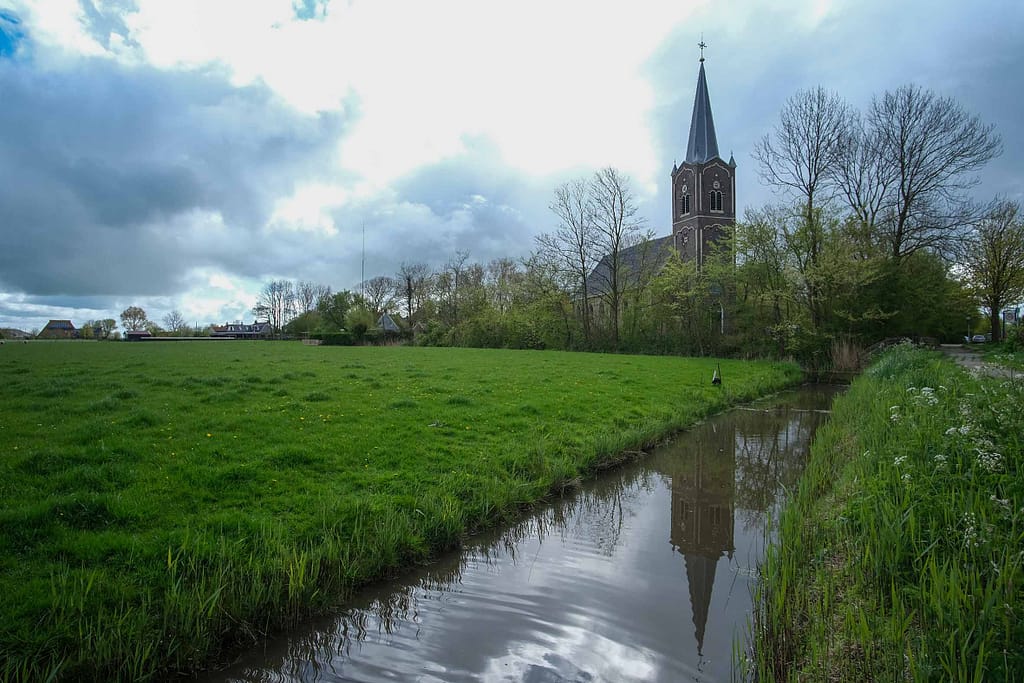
x=965, y=429
x=951, y=431
x=971, y=534
x=899, y=460
x=1003, y=503
x=990, y=460
x=905, y=477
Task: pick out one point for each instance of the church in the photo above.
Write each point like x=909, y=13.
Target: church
x=703, y=186
x=703, y=203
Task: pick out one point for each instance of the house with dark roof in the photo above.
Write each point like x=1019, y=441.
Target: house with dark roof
x=703, y=209
x=58, y=329
x=387, y=324
x=239, y=330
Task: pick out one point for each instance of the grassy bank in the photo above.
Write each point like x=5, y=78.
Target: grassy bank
x=1006, y=358
x=161, y=502
x=900, y=554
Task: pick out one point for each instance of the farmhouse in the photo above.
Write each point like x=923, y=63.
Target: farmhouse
x=58, y=329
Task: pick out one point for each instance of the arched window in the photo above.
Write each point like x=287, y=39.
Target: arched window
x=716, y=200
x=684, y=204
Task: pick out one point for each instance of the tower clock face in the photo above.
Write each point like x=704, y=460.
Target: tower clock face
x=716, y=184
x=682, y=189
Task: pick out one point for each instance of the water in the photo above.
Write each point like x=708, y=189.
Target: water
x=644, y=574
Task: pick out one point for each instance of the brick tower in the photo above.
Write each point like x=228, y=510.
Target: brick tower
x=703, y=186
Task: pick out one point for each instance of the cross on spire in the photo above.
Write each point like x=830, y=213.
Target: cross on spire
x=702, y=45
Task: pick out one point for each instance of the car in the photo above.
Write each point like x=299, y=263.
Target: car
x=978, y=339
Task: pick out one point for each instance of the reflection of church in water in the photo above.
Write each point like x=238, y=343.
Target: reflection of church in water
x=703, y=488
x=703, y=512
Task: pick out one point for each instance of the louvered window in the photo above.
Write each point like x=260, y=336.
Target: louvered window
x=716, y=200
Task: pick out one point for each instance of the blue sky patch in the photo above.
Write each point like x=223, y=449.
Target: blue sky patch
x=10, y=33
x=310, y=9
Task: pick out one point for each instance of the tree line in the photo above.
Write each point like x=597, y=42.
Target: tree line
x=878, y=230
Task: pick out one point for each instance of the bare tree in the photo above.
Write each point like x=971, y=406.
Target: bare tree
x=502, y=275
x=572, y=247
x=994, y=258
x=175, y=322
x=864, y=177
x=276, y=303
x=411, y=284
x=806, y=146
x=308, y=295
x=379, y=293
x=933, y=146
x=802, y=155
x=107, y=326
x=133, y=318
x=449, y=283
x=617, y=228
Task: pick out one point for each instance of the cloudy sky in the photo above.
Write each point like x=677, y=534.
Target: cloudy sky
x=180, y=153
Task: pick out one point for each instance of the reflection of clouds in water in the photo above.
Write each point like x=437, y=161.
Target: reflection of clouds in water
x=578, y=654
x=583, y=590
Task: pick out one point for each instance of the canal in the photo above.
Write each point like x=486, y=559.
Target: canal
x=643, y=574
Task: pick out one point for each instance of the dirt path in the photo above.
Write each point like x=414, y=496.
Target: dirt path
x=972, y=360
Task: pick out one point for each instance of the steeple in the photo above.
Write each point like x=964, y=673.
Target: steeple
x=703, y=144
x=703, y=184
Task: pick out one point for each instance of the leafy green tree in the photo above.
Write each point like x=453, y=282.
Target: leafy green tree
x=304, y=323
x=133, y=318
x=360, y=320
x=994, y=259
x=333, y=310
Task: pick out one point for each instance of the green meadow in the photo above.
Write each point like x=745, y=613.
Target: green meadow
x=163, y=502
x=901, y=554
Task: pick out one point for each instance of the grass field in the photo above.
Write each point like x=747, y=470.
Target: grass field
x=163, y=501
x=901, y=555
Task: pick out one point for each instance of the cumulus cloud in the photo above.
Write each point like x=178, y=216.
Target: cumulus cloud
x=104, y=168
x=149, y=148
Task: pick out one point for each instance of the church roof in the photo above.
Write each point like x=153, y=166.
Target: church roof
x=703, y=145
x=637, y=263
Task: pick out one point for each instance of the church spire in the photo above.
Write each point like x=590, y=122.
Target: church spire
x=703, y=144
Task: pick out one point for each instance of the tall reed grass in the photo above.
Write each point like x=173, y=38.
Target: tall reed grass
x=900, y=555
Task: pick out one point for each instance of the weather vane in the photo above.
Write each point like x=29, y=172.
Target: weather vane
x=702, y=45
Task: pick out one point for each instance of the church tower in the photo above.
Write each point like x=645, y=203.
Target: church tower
x=703, y=186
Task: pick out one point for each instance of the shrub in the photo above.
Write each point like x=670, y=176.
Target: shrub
x=336, y=339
